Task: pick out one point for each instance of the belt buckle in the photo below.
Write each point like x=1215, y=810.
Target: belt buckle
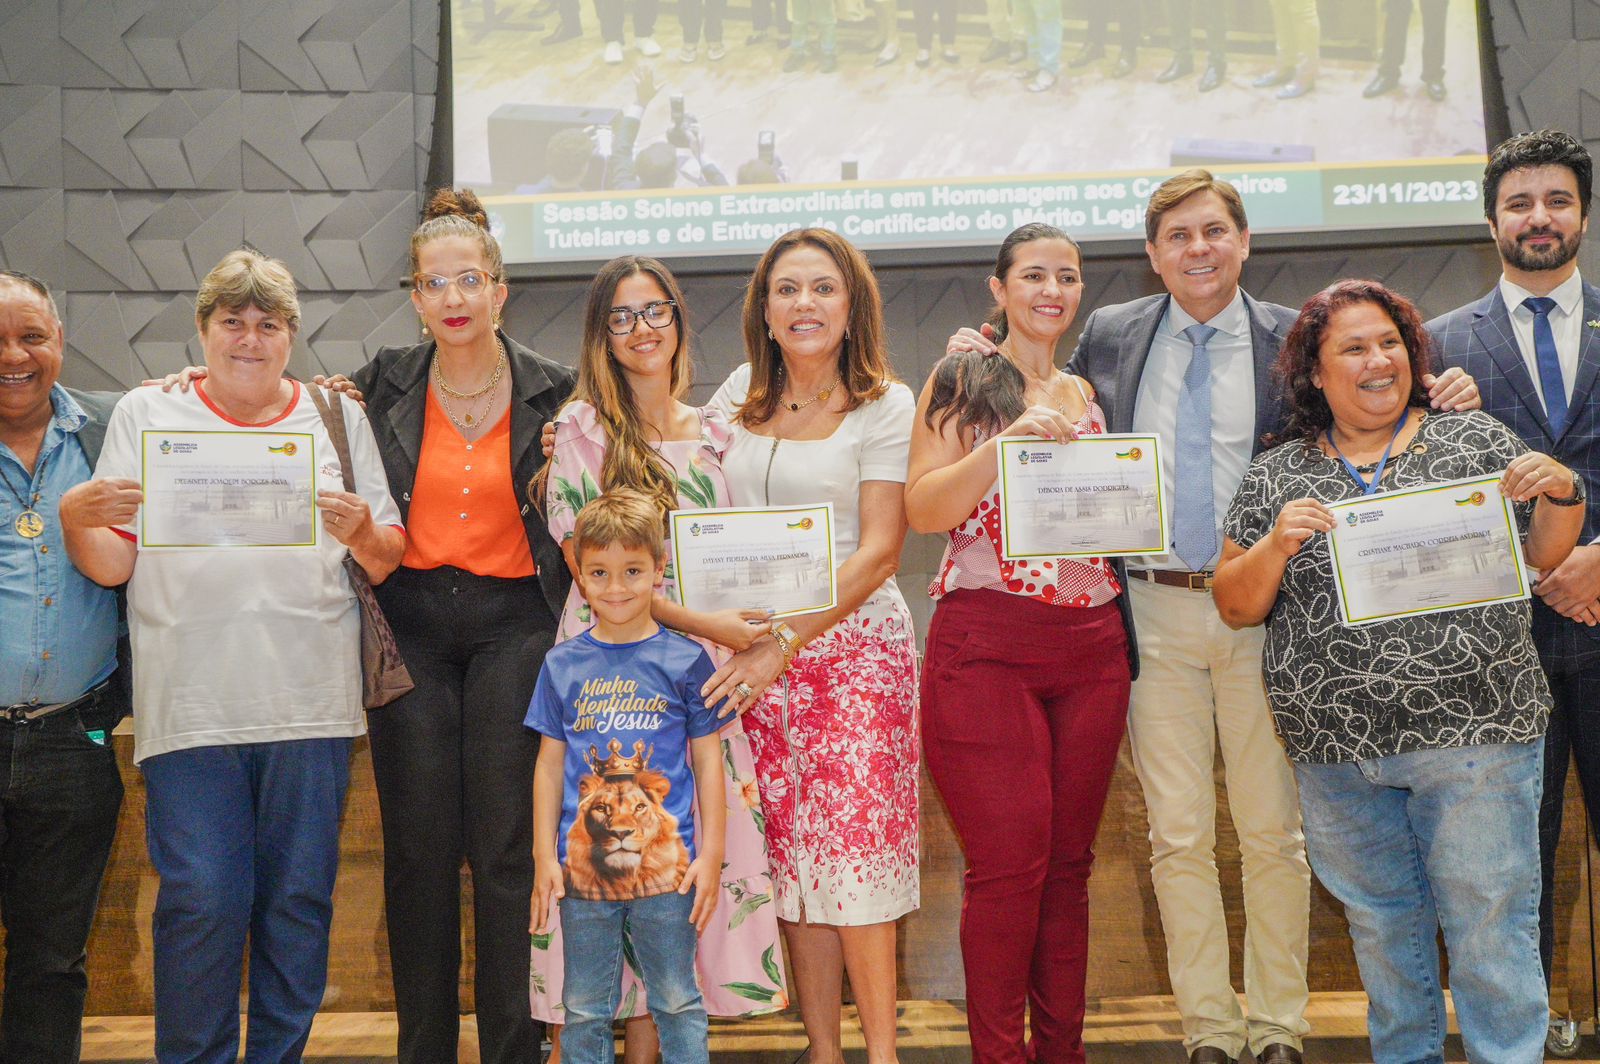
x=1200, y=581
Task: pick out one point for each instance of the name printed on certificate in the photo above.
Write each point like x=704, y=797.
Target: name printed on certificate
x=1096, y=496
x=778, y=558
x=1429, y=549
x=227, y=489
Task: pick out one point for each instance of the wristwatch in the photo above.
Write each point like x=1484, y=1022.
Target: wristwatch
x=788, y=640
x=1579, y=494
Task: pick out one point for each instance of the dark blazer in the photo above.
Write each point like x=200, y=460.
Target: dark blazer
x=1478, y=337
x=1115, y=345
x=395, y=384
x=1111, y=355
x=92, y=437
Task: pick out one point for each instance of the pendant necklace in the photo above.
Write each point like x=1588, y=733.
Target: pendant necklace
x=470, y=397
x=795, y=407
x=29, y=525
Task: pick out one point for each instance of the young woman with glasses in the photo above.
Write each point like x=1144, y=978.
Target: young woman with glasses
x=627, y=426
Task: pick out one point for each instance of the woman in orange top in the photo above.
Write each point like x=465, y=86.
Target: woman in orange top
x=474, y=607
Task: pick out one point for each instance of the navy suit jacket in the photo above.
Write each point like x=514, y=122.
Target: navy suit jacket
x=1478, y=337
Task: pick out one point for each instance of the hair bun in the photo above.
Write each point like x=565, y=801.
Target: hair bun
x=459, y=201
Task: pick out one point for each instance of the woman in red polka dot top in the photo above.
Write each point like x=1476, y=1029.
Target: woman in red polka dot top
x=1025, y=689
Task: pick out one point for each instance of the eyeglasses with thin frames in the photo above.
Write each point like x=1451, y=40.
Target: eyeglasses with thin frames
x=658, y=315
x=432, y=286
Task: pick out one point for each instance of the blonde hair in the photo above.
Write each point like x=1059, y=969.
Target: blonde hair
x=864, y=368
x=247, y=278
x=622, y=517
x=1174, y=190
x=457, y=212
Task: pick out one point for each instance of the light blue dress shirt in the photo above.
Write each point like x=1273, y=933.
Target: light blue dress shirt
x=60, y=627
x=1233, y=404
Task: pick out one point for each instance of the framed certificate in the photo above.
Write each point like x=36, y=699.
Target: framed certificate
x=1096, y=496
x=1429, y=549
x=227, y=489
x=778, y=558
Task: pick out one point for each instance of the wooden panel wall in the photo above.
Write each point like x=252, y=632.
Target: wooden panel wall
x=1127, y=952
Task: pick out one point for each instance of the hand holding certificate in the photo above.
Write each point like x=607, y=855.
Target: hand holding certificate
x=1096, y=496
x=1425, y=550
x=778, y=558
x=227, y=489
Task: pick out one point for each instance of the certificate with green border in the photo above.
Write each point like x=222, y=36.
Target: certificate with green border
x=227, y=489
x=1096, y=496
x=778, y=558
x=1428, y=549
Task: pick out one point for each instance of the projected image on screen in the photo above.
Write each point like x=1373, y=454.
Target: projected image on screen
x=705, y=127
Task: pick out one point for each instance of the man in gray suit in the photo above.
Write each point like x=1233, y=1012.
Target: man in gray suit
x=1533, y=343
x=1194, y=366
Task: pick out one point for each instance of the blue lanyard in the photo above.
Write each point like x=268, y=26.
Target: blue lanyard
x=1369, y=487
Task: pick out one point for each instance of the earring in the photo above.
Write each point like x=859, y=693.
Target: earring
x=770, y=336
x=847, y=333
x=424, y=327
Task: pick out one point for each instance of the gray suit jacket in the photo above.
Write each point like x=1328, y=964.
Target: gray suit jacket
x=1115, y=345
x=1478, y=337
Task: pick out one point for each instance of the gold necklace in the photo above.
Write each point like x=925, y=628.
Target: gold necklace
x=1045, y=383
x=793, y=407
x=494, y=378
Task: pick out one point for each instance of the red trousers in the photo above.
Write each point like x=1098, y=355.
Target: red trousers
x=1024, y=705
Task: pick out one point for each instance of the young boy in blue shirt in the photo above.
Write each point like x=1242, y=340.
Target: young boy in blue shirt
x=614, y=801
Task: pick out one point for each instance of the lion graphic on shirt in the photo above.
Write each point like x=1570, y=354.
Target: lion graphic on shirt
x=623, y=843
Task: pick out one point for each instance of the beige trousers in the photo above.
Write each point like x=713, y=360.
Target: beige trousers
x=1199, y=688
x=1299, y=32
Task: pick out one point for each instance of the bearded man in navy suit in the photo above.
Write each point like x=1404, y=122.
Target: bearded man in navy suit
x=1533, y=343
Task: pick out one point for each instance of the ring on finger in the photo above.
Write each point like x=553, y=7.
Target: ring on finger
x=743, y=689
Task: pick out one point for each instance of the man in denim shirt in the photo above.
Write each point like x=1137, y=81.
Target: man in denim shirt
x=59, y=786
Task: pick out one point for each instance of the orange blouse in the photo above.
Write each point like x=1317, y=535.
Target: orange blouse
x=465, y=511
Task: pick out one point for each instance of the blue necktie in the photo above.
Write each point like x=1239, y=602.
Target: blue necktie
x=1194, y=509
x=1549, y=363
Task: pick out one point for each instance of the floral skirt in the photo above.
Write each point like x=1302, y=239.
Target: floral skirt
x=739, y=963
x=836, y=749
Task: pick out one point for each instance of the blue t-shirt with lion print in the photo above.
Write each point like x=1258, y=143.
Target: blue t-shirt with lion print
x=626, y=712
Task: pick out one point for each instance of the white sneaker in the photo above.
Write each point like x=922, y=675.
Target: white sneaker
x=647, y=47
x=687, y=53
x=613, y=52
x=716, y=50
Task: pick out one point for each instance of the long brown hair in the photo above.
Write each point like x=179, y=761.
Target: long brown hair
x=630, y=461
x=864, y=368
x=1309, y=413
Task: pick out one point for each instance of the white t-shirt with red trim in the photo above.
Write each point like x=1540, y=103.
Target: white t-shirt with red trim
x=239, y=646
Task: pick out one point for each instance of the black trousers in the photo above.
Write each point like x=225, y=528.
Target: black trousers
x=1397, y=20
x=1574, y=734
x=1127, y=23
x=1214, y=18
x=925, y=12
x=59, y=797
x=454, y=768
x=611, y=18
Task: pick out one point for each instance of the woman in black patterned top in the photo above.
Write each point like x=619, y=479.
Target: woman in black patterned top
x=1416, y=741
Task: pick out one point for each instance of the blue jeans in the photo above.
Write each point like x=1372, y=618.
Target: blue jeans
x=1415, y=841
x=246, y=842
x=664, y=944
x=59, y=796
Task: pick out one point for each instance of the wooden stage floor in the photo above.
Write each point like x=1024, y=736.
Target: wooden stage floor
x=1119, y=1031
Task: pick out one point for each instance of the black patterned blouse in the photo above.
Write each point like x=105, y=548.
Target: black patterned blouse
x=1466, y=678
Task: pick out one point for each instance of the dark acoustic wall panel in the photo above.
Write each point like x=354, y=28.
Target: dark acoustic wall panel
x=142, y=140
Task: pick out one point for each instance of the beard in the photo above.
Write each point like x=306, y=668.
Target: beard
x=1531, y=260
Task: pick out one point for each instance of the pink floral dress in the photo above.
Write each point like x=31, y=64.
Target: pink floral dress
x=739, y=964
x=835, y=739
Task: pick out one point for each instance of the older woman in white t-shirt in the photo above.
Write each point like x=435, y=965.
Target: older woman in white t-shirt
x=829, y=699
x=247, y=684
